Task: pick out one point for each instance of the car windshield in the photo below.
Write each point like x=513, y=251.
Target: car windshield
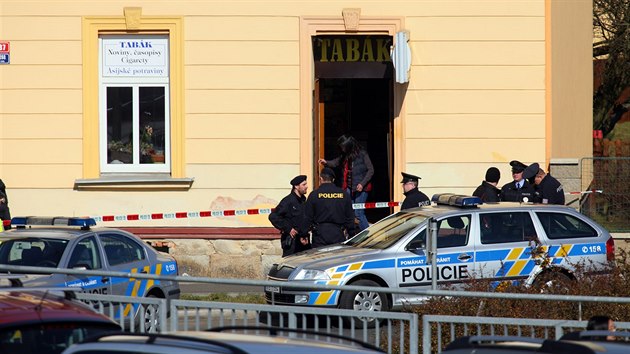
x=388, y=231
x=32, y=251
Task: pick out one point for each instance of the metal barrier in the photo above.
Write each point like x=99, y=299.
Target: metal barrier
x=447, y=328
x=612, y=207
x=398, y=331
x=133, y=314
x=201, y=315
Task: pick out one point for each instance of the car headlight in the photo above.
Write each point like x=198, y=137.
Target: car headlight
x=311, y=274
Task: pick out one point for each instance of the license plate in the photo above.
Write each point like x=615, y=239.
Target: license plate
x=272, y=289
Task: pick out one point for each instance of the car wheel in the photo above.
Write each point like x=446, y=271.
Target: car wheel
x=151, y=323
x=368, y=301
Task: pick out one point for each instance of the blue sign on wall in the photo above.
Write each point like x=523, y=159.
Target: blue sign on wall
x=5, y=58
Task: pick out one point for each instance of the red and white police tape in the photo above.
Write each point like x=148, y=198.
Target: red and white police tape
x=237, y=212
x=217, y=213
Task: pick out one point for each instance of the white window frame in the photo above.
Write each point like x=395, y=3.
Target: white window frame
x=135, y=83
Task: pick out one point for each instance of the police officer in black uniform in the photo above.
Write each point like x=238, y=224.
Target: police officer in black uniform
x=329, y=211
x=413, y=196
x=289, y=218
x=519, y=190
x=548, y=189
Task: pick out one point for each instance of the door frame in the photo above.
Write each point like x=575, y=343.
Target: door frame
x=313, y=26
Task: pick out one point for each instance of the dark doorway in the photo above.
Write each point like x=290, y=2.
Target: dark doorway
x=363, y=109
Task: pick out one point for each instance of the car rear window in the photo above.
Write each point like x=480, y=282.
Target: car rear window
x=561, y=226
x=49, y=338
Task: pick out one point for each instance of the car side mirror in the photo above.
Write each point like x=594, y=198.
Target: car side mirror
x=415, y=245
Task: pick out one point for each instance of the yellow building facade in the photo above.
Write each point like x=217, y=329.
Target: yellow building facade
x=216, y=105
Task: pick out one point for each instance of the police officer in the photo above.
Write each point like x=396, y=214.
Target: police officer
x=329, y=211
x=519, y=189
x=288, y=217
x=413, y=196
x=548, y=189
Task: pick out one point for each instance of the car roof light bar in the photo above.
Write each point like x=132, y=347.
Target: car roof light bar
x=458, y=200
x=23, y=221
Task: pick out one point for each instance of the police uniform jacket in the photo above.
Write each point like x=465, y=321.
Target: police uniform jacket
x=549, y=191
x=488, y=193
x=329, y=211
x=509, y=192
x=362, y=168
x=414, y=198
x=289, y=214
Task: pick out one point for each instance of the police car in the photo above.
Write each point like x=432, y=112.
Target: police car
x=498, y=241
x=73, y=243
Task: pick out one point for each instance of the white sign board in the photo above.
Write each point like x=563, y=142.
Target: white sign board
x=135, y=57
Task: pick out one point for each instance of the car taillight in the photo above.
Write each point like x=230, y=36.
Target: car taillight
x=610, y=249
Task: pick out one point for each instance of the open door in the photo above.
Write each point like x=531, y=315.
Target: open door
x=318, y=135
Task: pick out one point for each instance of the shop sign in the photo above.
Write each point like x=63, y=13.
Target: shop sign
x=352, y=49
x=5, y=53
x=135, y=57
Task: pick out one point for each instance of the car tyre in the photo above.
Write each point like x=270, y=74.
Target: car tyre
x=151, y=322
x=368, y=301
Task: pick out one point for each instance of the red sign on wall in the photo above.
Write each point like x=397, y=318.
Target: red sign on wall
x=4, y=47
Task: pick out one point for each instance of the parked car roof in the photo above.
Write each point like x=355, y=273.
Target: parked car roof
x=187, y=342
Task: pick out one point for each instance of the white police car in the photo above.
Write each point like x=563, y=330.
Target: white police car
x=73, y=243
x=499, y=241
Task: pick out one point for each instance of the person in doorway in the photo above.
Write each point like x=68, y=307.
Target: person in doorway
x=413, y=196
x=288, y=217
x=357, y=170
x=488, y=191
x=548, y=189
x=329, y=212
x=519, y=190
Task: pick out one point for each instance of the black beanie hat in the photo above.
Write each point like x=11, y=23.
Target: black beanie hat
x=493, y=175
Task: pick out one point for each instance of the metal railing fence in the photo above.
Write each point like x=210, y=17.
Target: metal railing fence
x=437, y=331
x=202, y=315
x=398, y=331
x=611, y=208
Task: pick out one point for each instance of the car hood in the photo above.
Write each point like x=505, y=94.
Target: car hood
x=326, y=257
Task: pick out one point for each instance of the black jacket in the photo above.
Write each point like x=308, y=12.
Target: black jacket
x=362, y=169
x=509, y=193
x=329, y=213
x=488, y=193
x=549, y=191
x=289, y=214
x=414, y=198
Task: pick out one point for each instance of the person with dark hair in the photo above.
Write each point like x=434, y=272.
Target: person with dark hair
x=519, y=190
x=289, y=218
x=5, y=213
x=329, y=212
x=357, y=170
x=548, y=189
x=413, y=197
x=487, y=190
x=601, y=323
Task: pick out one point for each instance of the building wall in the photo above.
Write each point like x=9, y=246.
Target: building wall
x=476, y=98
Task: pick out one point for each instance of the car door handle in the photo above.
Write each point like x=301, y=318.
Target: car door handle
x=464, y=257
x=105, y=280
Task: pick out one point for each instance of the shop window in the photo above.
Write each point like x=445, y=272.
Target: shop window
x=134, y=117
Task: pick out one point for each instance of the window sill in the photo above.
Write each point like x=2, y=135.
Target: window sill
x=134, y=182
